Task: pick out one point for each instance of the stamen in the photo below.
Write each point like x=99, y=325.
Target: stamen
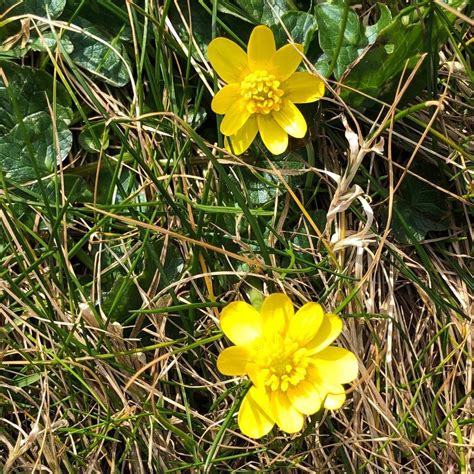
x=260, y=90
x=283, y=364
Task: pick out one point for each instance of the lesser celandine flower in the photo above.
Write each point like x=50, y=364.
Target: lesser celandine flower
x=262, y=90
x=288, y=357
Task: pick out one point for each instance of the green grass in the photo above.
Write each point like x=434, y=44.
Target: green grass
x=115, y=263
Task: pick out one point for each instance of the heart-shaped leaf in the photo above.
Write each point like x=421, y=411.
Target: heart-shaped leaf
x=31, y=142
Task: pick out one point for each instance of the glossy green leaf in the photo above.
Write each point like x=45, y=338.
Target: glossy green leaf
x=48, y=42
x=101, y=55
x=72, y=188
x=124, y=295
x=114, y=189
x=372, y=31
x=329, y=17
x=108, y=15
x=200, y=23
x=323, y=65
x=94, y=138
x=263, y=11
x=31, y=144
x=45, y=8
x=301, y=27
x=378, y=70
x=262, y=189
x=397, y=48
x=418, y=209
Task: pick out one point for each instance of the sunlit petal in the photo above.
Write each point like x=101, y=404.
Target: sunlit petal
x=287, y=417
x=235, y=118
x=335, y=397
x=303, y=87
x=241, y=323
x=277, y=310
x=254, y=416
x=306, y=322
x=228, y=59
x=291, y=119
x=273, y=136
x=232, y=361
x=256, y=374
x=336, y=365
x=227, y=96
x=261, y=47
x=305, y=398
x=243, y=138
x=286, y=61
x=330, y=328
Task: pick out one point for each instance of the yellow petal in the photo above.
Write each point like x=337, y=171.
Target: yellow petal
x=330, y=328
x=257, y=375
x=243, y=138
x=291, y=119
x=305, y=323
x=273, y=136
x=335, y=397
x=277, y=310
x=287, y=417
x=261, y=47
x=232, y=361
x=303, y=87
x=235, y=118
x=228, y=59
x=286, y=61
x=254, y=416
x=305, y=398
x=336, y=365
x=241, y=323
x=227, y=96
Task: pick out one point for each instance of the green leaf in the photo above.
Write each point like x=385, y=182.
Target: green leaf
x=28, y=151
x=378, y=70
x=323, y=65
x=200, y=23
x=27, y=197
x=329, y=18
x=262, y=189
x=301, y=27
x=194, y=117
x=117, y=188
x=112, y=18
x=124, y=295
x=52, y=8
x=264, y=11
x=75, y=188
x=121, y=298
x=28, y=147
x=26, y=380
x=372, y=31
x=93, y=51
x=45, y=8
x=94, y=138
x=397, y=48
x=48, y=42
x=419, y=210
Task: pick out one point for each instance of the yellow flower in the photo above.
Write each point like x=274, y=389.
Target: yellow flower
x=262, y=90
x=288, y=358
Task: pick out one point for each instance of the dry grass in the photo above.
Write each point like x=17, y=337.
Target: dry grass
x=109, y=308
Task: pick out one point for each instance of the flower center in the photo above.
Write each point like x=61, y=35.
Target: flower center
x=260, y=90
x=283, y=364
